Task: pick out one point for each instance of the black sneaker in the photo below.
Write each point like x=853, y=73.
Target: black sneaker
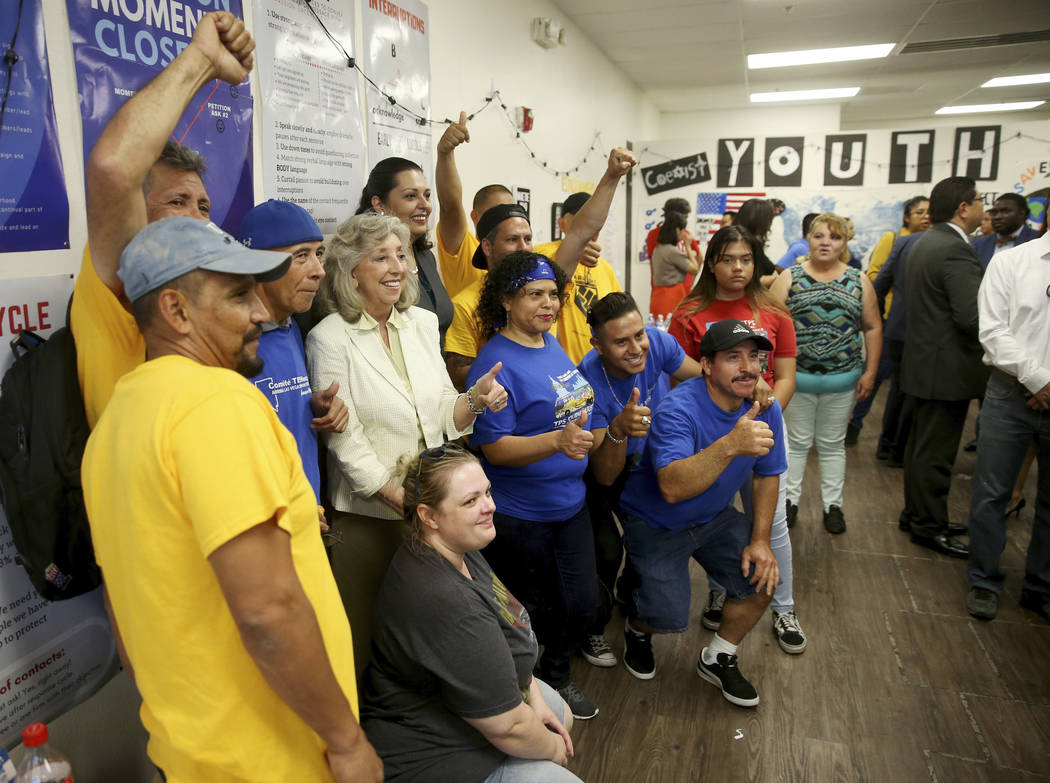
x=1036, y=602
x=638, y=654
x=792, y=513
x=597, y=651
x=982, y=603
x=711, y=619
x=788, y=632
x=725, y=674
x=834, y=522
x=580, y=706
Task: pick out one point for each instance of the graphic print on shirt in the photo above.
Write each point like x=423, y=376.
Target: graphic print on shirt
x=763, y=356
x=274, y=390
x=573, y=395
x=510, y=609
x=585, y=292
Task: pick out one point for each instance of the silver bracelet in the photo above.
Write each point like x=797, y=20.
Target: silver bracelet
x=470, y=403
x=613, y=439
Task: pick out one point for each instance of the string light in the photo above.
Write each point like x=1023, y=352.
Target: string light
x=423, y=121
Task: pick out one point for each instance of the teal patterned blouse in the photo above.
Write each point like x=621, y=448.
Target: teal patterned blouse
x=827, y=321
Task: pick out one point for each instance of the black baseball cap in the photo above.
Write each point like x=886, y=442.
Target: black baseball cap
x=492, y=218
x=729, y=333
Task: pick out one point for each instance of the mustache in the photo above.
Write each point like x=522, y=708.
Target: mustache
x=254, y=334
x=747, y=376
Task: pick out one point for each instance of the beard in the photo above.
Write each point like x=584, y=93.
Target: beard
x=249, y=365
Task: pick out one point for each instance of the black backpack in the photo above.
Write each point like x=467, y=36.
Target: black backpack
x=43, y=431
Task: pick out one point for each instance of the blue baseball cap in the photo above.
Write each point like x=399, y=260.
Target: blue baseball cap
x=277, y=224
x=170, y=248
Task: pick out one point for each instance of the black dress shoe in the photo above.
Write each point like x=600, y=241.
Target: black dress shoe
x=942, y=543
x=955, y=529
x=971, y=446
x=1036, y=602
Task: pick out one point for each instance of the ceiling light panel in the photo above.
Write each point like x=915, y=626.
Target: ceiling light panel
x=981, y=108
x=1013, y=81
x=812, y=56
x=804, y=95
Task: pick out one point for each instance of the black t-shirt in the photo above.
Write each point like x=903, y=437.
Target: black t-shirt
x=445, y=648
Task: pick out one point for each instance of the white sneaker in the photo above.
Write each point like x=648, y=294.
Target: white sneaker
x=597, y=651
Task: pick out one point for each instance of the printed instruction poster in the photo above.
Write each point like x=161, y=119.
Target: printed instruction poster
x=34, y=208
x=313, y=139
x=118, y=47
x=397, y=58
x=53, y=655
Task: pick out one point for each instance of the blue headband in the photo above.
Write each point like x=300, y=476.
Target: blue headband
x=542, y=270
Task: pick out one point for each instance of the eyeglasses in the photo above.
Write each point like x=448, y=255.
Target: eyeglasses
x=435, y=454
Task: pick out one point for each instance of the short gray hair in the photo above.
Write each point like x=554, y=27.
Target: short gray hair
x=353, y=240
x=179, y=158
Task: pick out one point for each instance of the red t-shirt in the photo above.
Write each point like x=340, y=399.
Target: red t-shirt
x=775, y=325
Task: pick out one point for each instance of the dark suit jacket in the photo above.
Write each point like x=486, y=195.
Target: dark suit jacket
x=892, y=276
x=942, y=355
x=985, y=246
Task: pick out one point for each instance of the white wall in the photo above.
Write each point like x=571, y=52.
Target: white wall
x=757, y=121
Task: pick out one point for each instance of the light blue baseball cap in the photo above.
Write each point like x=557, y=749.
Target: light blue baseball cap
x=170, y=248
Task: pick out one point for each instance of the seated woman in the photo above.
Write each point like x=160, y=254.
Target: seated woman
x=535, y=453
x=383, y=352
x=450, y=694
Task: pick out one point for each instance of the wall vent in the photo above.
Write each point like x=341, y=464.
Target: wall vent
x=976, y=42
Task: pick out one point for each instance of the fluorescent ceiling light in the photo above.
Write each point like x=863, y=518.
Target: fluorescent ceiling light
x=811, y=56
x=804, y=95
x=1011, y=81
x=986, y=107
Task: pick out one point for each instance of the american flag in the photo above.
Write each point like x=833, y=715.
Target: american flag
x=711, y=206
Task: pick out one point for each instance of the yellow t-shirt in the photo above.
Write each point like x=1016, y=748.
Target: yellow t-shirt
x=185, y=459
x=108, y=340
x=878, y=257
x=457, y=271
x=462, y=336
x=586, y=287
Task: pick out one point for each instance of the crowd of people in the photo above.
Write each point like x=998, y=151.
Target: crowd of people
x=343, y=490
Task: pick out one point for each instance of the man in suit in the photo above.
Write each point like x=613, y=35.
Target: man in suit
x=1008, y=219
x=941, y=367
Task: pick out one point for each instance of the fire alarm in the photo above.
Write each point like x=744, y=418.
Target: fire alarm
x=523, y=118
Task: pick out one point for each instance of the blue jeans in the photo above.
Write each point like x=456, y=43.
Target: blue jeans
x=549, y=567
x=882, y=373
x=661, y=558
x=515, y=770
x=1008, y=427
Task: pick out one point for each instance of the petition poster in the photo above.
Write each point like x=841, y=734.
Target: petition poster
x=119, y=46
x=312, y=136
x=53, y=655
x=397, y=58
x=34, y=208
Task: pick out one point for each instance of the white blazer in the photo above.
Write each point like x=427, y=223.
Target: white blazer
x=383, y=410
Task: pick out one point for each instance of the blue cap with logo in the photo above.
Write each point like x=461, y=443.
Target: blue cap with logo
x=277, y=224
x=170, y=248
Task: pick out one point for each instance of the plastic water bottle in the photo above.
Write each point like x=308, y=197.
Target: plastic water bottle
x=650, y=321
x=42, y=763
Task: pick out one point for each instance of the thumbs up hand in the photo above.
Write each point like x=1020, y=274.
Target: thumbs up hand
x=633, y=421
x=330, y=412
x=574, y=441
x=750, y=437
x=487, y=392
x=454, y=135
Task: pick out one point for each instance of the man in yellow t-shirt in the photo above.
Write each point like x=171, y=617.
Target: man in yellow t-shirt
x=594, y=279
x=455, y=244
x=135, y=175
x=205, y=528
x=504, y=229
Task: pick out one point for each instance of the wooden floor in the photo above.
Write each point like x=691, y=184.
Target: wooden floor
x=898, y=682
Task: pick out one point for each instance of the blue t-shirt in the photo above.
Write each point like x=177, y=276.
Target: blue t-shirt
x=799, y=248
x=686, y=422
x=611, y=394
x=545, y=392
x=286, y=386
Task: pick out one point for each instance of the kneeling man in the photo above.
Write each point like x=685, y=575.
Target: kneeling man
x=706, y=439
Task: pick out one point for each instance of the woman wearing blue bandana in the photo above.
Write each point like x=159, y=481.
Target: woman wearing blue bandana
x=534, y=452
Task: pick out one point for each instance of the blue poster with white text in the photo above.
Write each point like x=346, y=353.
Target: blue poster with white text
x=34, y=208
x=120, y=45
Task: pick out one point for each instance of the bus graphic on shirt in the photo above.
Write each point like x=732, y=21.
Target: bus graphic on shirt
x=572, y=396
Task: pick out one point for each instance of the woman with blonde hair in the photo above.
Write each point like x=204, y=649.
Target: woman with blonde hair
x=383, y=352
x=836, y=321
x=450, y=693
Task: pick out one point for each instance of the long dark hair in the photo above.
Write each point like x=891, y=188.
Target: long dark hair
x=668, y=234
x=756, y=215
x=705, y=292
x=502, y=282
x=381, y=182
